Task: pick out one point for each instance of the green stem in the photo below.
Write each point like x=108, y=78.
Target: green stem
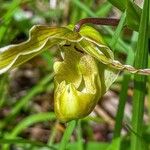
x=79, y=136
x=3, y=87
x=53, y=134
x=18, y=141
x=140, y=81
x=121, y=106
x=67, y=134
x=123, y=94
x=118, y=31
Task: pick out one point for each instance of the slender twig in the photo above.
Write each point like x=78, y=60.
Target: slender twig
x=97, y=21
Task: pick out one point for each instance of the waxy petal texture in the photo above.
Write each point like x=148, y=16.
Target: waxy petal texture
x=86, y=71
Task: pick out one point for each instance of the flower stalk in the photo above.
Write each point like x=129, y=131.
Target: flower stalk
x=97, y=21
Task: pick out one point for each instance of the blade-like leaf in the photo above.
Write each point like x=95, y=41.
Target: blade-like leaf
x=116, y=144
x=121, y=4
x=133, y=12
x=133, y=15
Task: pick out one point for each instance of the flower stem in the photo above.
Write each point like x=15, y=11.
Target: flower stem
x=97, y=21
x=67, y=134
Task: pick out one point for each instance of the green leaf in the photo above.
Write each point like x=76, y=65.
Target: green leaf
x=30, y=120
x=18, y=141
x=120, y=4
x=133, y=15
x=96, y=145
x=91, y=145
x=141, y=61
x=133, y=12
x=67, y=134
x=115, y=145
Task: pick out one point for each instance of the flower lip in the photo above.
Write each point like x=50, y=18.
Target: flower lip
x=81, y=89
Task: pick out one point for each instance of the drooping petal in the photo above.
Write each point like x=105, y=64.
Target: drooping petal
x=40, y=38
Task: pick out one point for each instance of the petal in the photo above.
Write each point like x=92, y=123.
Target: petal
x=77, y=84
x=40, y=39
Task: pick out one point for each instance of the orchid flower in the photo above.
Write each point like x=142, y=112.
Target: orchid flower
x=86, y=72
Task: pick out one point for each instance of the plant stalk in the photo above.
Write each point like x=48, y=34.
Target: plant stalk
x=141, y=60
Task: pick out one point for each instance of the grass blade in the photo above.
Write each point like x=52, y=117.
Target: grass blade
x=79, y=136
x=123, y=46
x=53, y=134
x=24, y=141
x=104, y=9
x=28, y=121
x=118, y=31
x=8, y=17
x=67, y=134
x=140, y=81
x=123, y=93
x=23, y=101
x=3, y=87
x=84, y=7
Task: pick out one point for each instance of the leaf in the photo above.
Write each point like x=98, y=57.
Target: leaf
x=141, y=60
x=18, y=141
x=30, y=120
x=96, y=145
x=115, y=145
x=67, y=135
x=121, y=4
x=133, y=15
x=133, y=12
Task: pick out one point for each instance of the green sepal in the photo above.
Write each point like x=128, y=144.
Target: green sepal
x=40, y=38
